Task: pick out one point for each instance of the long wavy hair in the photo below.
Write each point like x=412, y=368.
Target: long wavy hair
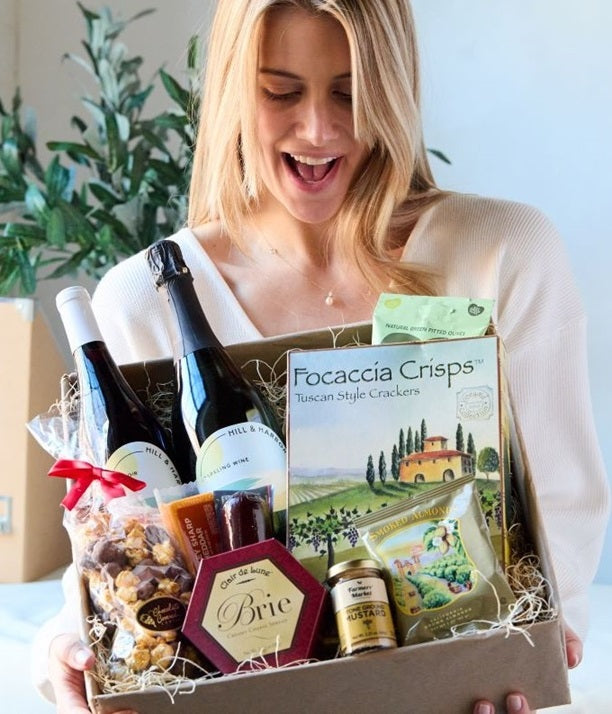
x=396, y=184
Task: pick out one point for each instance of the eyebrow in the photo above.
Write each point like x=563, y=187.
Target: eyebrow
x=291, y=75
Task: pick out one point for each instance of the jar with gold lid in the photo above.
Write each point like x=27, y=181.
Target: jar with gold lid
x=361, y=606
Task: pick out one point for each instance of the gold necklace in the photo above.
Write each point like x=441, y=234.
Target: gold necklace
x=330, y=298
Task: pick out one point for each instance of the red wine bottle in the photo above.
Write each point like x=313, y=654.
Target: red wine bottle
x=222, y=424
x=116, y=430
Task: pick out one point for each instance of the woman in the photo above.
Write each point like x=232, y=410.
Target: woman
x=311, y=193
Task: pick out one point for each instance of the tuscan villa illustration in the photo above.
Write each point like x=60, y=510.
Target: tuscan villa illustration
x=435, y=463
x=411, y=565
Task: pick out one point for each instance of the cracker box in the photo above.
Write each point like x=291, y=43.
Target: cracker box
x=445, y=677
x=372, y=425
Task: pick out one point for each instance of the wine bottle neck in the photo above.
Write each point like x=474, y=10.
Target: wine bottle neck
x=79, y=321
x=92, y=359
x=192, y=329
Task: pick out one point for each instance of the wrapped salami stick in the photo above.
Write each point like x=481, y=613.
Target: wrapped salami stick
x=244, y=519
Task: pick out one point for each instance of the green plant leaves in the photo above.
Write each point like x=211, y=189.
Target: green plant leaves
x=111, y=192
x=181, y=96
x=56, y=229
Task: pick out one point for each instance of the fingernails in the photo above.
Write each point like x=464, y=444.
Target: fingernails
x=82, y=656
x=514, y=703
x=484, y=708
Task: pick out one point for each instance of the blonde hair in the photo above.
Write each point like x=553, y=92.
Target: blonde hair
x=396, y=184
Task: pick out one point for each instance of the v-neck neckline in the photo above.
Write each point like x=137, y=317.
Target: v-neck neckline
x=234, y=304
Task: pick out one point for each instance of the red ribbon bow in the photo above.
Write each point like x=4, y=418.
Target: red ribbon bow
x=113, y=483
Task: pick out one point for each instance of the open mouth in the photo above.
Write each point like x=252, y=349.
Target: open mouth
x=309, y=169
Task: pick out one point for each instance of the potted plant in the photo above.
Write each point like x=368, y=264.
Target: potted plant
x=122, y=185
x=118, y=187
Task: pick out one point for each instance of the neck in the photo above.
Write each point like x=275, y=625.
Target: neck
x=306, y=245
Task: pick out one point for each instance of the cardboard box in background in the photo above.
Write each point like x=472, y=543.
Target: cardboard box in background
x=444, y=676
x=33, y=541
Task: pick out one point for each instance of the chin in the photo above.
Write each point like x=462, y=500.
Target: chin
x=313, y=218
x=313, y=212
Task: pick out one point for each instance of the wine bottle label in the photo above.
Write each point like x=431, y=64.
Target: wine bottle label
x=244, y=456
x=146, y=462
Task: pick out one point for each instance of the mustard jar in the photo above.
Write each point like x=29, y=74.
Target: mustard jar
x=361, y=606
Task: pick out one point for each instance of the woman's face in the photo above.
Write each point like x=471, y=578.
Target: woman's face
x=308, y=154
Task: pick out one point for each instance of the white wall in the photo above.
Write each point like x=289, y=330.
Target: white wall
x=517, y=94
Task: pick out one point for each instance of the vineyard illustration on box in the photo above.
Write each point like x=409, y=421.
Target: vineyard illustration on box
x=349, y=455
x=322, y=510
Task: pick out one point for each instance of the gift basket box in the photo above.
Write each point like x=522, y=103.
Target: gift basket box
x=445, y=675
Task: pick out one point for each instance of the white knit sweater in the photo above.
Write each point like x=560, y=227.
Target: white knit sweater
x=479, y=248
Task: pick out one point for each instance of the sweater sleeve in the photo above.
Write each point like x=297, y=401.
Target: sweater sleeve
x=543, y=325
x=512, y=253
x=66, y=620
x=550, y=391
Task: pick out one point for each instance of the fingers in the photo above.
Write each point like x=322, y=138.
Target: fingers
x=515, y=704
x=573, y=647
x=68, y=657
x=68, y=650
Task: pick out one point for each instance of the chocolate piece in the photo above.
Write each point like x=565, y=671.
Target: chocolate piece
x=112, y=569
x=146, y=589
x=155, y=534
x=105, y=551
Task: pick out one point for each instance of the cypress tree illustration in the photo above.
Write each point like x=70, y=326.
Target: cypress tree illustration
x=471, y=448
x=395, y=463
x=402, y=445
x=459, y=444
x=382, y=468
x=409, y=442
x=370, y=473
x=417, y=442
x=423, y=433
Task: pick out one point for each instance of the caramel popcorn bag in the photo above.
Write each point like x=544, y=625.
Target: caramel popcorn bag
x=138, y=585
x=133, y=574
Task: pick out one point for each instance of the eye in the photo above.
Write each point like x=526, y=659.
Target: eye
x=344, y=96
x=279, y=96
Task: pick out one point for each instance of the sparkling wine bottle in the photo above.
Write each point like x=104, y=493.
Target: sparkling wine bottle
x=222, y=425
x=116, y=430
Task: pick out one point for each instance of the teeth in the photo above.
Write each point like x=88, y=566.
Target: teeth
x=310, y=161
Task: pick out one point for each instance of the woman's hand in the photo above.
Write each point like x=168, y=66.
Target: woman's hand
x=68, y=659
x=516, y=702
x=573, y=647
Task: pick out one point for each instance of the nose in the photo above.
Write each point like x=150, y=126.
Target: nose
x=317, y=123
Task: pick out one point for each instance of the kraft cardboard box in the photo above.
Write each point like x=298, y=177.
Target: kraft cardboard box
x=33, y=541
x=445, y=676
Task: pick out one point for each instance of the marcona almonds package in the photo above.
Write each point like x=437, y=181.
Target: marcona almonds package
x=442, y=572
